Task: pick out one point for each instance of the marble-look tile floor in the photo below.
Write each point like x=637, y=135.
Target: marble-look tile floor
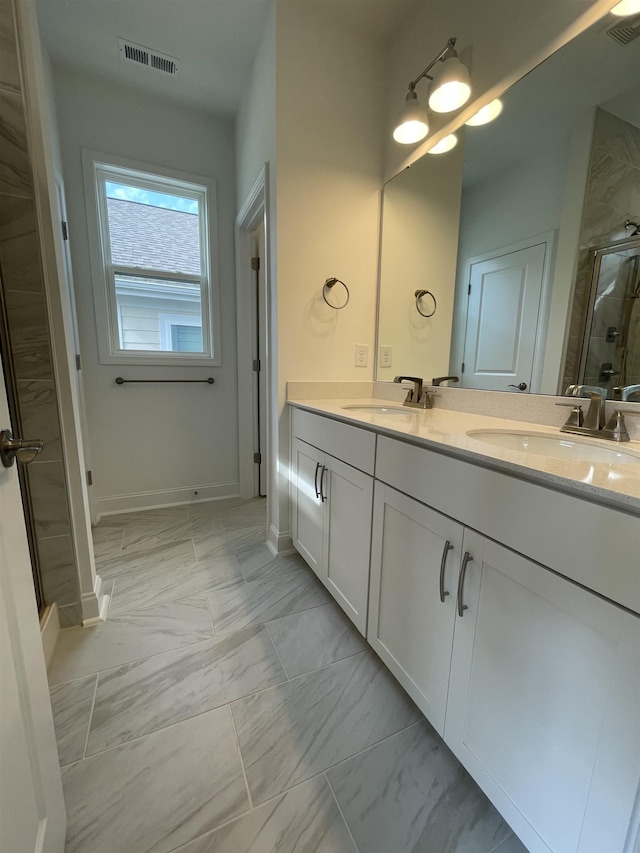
x=228, y=706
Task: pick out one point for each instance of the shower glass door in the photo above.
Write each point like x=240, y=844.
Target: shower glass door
x=611, y=350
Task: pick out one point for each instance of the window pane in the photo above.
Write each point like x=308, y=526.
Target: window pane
x=186, y=338
x=153, y=230
x=148, y=308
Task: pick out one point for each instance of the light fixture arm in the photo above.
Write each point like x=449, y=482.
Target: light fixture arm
x=448, y=49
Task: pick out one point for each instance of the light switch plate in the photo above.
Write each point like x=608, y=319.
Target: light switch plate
x=362, y=355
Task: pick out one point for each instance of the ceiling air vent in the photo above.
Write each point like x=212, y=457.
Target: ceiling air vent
x=626, y=30
x=131, y=52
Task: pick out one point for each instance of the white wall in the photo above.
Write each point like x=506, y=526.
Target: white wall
x=152, y=444
x=255, y=148
x=329, y=149
x=421, y=214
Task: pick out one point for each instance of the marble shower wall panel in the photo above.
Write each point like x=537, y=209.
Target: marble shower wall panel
x=30, y=336
x=612, y=197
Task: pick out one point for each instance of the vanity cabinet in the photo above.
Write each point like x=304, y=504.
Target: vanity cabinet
x=332, y=504
x=532, y=680
x=415, y=556
x=543, y=701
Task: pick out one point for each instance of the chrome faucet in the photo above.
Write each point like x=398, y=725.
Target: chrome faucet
x=438, y=380
x=593, y=423
x=418, y=397
x=626, y=391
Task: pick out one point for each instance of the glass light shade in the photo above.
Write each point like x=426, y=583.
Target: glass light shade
x=451, y=87
x=626, y=7
x=445, y=144
x=413, y=125
x=486, y=114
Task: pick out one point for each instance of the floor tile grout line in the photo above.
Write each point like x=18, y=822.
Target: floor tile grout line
x=292, y=613
x=342, y=814
x=136, y=660
x=90, y=720
x=244, y=772
x=275, y=648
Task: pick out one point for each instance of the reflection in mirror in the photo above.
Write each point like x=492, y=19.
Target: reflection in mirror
x=545, y=264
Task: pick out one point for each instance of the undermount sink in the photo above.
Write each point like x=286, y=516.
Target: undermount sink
x=378, y=410
x=558, y=447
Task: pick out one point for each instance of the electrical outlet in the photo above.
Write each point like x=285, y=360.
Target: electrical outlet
x=362, y=355
x=386, y=356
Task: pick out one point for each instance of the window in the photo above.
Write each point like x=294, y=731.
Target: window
x=151, y=256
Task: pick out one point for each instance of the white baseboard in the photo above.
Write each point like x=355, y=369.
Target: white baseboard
x=115, y=504
x=279, y=543
x=49, y=631
x=95, y=605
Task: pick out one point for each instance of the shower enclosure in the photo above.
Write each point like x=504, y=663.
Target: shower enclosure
x=610, y=355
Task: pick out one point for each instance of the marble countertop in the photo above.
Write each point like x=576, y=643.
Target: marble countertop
x=615, y=484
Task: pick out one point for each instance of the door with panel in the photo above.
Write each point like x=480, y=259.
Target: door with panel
x=348, y=495
x=543, y=700
x=502, y=319
x=414, y=571
x=32, y=813
x=308, y=503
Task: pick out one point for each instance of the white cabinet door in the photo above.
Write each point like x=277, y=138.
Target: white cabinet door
x=410, y=627
x=308, y=506
x=32, y=815
x=347, y=538
x=543, y=701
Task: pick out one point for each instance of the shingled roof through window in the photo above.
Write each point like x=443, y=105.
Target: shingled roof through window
x=153, y=237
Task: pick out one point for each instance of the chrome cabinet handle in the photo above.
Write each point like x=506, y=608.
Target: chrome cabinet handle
x=463, y=570
x=447, y=547
x=315, y=480
x=323, y=497
x=24, y=450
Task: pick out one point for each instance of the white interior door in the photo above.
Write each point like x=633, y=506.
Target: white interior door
x=261, y=346
x=502, y=320
x=32, y=814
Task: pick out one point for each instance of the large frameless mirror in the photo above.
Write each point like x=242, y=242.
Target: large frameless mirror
x=512, y=261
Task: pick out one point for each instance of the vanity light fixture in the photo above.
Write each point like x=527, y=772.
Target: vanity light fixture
x=626, y=7
x=444, y=145
x=451, y=89
x=486, y=114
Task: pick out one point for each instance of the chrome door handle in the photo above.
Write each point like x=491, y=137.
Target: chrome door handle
x=447, y=547
x=315, y=480
x=323, y=497
x=463, y=570
x=24, y=450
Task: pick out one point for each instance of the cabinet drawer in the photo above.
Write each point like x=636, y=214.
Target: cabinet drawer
x=593, y=545
x=353, y=445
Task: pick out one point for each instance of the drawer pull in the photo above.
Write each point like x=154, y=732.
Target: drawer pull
x=447, y=547
x=315, y=480
x=463, y=570
x=322, y=494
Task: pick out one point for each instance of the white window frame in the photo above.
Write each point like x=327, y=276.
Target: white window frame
x=167, y=321
x=97, y=168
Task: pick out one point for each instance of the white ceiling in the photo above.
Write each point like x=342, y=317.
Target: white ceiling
x=215, y=40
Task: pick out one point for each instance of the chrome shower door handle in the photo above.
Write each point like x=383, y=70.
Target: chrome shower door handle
x=24, y=450
x=463, y=570
x=447, y=547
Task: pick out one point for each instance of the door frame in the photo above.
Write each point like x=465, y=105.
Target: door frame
x=253, y=213
x=549, y=239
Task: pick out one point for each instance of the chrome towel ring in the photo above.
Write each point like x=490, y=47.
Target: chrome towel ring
x=419, y=294
x=326, y=288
